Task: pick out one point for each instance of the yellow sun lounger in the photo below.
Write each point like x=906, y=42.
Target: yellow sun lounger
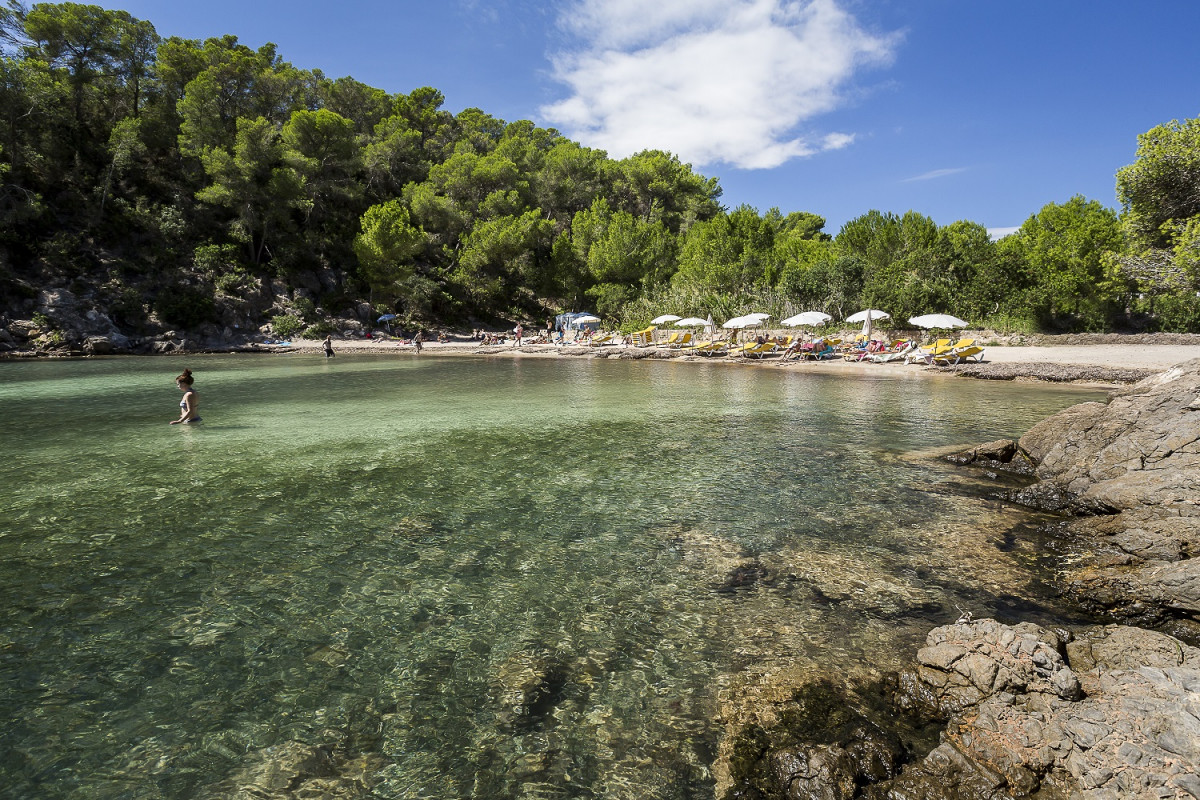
x=959, y=356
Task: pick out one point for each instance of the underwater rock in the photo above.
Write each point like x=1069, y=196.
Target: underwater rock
x=294, y=770
x=823, y=746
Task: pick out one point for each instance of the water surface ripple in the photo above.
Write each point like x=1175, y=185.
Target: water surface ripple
x=468, y=578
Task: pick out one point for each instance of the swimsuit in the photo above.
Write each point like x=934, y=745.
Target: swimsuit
x=184, y=404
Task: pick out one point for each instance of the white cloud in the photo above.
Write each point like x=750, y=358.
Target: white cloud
x=711, y=80
x=999, y=233
x=935, y=173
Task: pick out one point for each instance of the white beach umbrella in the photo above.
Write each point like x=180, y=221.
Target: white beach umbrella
x=690, y=322
x=659, y=320
x=585, y=320
x=738, y=322
x=807, y=318
x=757, y=316
x=937, y=321
x=870, y=313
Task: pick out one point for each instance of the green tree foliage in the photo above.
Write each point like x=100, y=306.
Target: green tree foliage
x=1161, y=197
x=1161, y=190
x=1064, y=246
x=387, y=247
x=621, y=256
x=502, y=255
x=257, y=187
x=196, y=164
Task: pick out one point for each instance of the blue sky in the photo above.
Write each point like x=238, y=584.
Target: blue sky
x=959, y=109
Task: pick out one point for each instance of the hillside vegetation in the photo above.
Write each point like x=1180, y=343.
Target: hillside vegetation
x=149, y=184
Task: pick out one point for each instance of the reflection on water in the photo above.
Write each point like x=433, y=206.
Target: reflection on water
x=467, y=578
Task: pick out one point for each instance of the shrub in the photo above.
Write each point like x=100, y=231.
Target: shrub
x=1178, y=313
x=127, y=307
x=286, y=324
x=185, y=306
x=305, y=308
x=319, y=330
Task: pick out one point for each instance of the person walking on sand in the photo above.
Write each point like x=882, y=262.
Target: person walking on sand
x=187, y=406
x=517, y=331
x=417, y=339
x=328, y=344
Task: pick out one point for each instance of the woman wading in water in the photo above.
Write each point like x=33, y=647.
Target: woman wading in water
x=187, y=406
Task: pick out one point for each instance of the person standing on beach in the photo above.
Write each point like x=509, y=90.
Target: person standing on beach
x=187, y=406
x=517, y=331
x=328, y=344
x=417, y=339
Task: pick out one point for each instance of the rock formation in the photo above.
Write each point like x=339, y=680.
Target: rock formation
x=1106, y=712
x=1128, y=473
x=1113, y=713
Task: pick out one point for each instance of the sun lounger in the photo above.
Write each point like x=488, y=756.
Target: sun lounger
x=897, y=352
x=684, y=341
x=925, y=355
x=759, y=350
x=596, y=341
x=822, y=350
x=959, y=356
x=707, y=348
x=642, y=338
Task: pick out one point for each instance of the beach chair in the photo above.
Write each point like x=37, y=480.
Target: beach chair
x=710, y=348
x=642, y=338
x=822, y=350
x=671, y=340
x=926, y=354
x=596, y=341
x=684, y=341
x=959, y=356
x=759, y=350
x=897, y=352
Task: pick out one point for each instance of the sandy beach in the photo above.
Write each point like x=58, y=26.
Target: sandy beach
x=1154, y=357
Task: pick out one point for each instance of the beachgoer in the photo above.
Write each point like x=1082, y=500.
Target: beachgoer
x=328, y=343
x=443, y=338
x=517, y=331
x=187, y=406
x=417, y=339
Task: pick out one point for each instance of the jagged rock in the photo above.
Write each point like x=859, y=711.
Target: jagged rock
x=1131, y=468
x=1118, y=717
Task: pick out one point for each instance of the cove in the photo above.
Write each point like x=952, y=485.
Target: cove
x=470, y=577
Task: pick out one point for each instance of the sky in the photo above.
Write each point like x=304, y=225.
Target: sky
x=984, y=110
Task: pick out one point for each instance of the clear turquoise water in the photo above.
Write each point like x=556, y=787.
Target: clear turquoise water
x=468, y=578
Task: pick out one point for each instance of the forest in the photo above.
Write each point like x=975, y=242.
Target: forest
x=174, y=183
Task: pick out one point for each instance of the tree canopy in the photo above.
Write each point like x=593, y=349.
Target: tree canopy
x=131, y=163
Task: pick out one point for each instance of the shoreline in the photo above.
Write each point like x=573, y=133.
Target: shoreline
x=1102, y=364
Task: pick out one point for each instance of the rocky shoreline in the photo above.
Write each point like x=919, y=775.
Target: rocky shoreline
x=1107, y=711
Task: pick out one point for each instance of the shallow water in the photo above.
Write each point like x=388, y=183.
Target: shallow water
x=469, y=578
